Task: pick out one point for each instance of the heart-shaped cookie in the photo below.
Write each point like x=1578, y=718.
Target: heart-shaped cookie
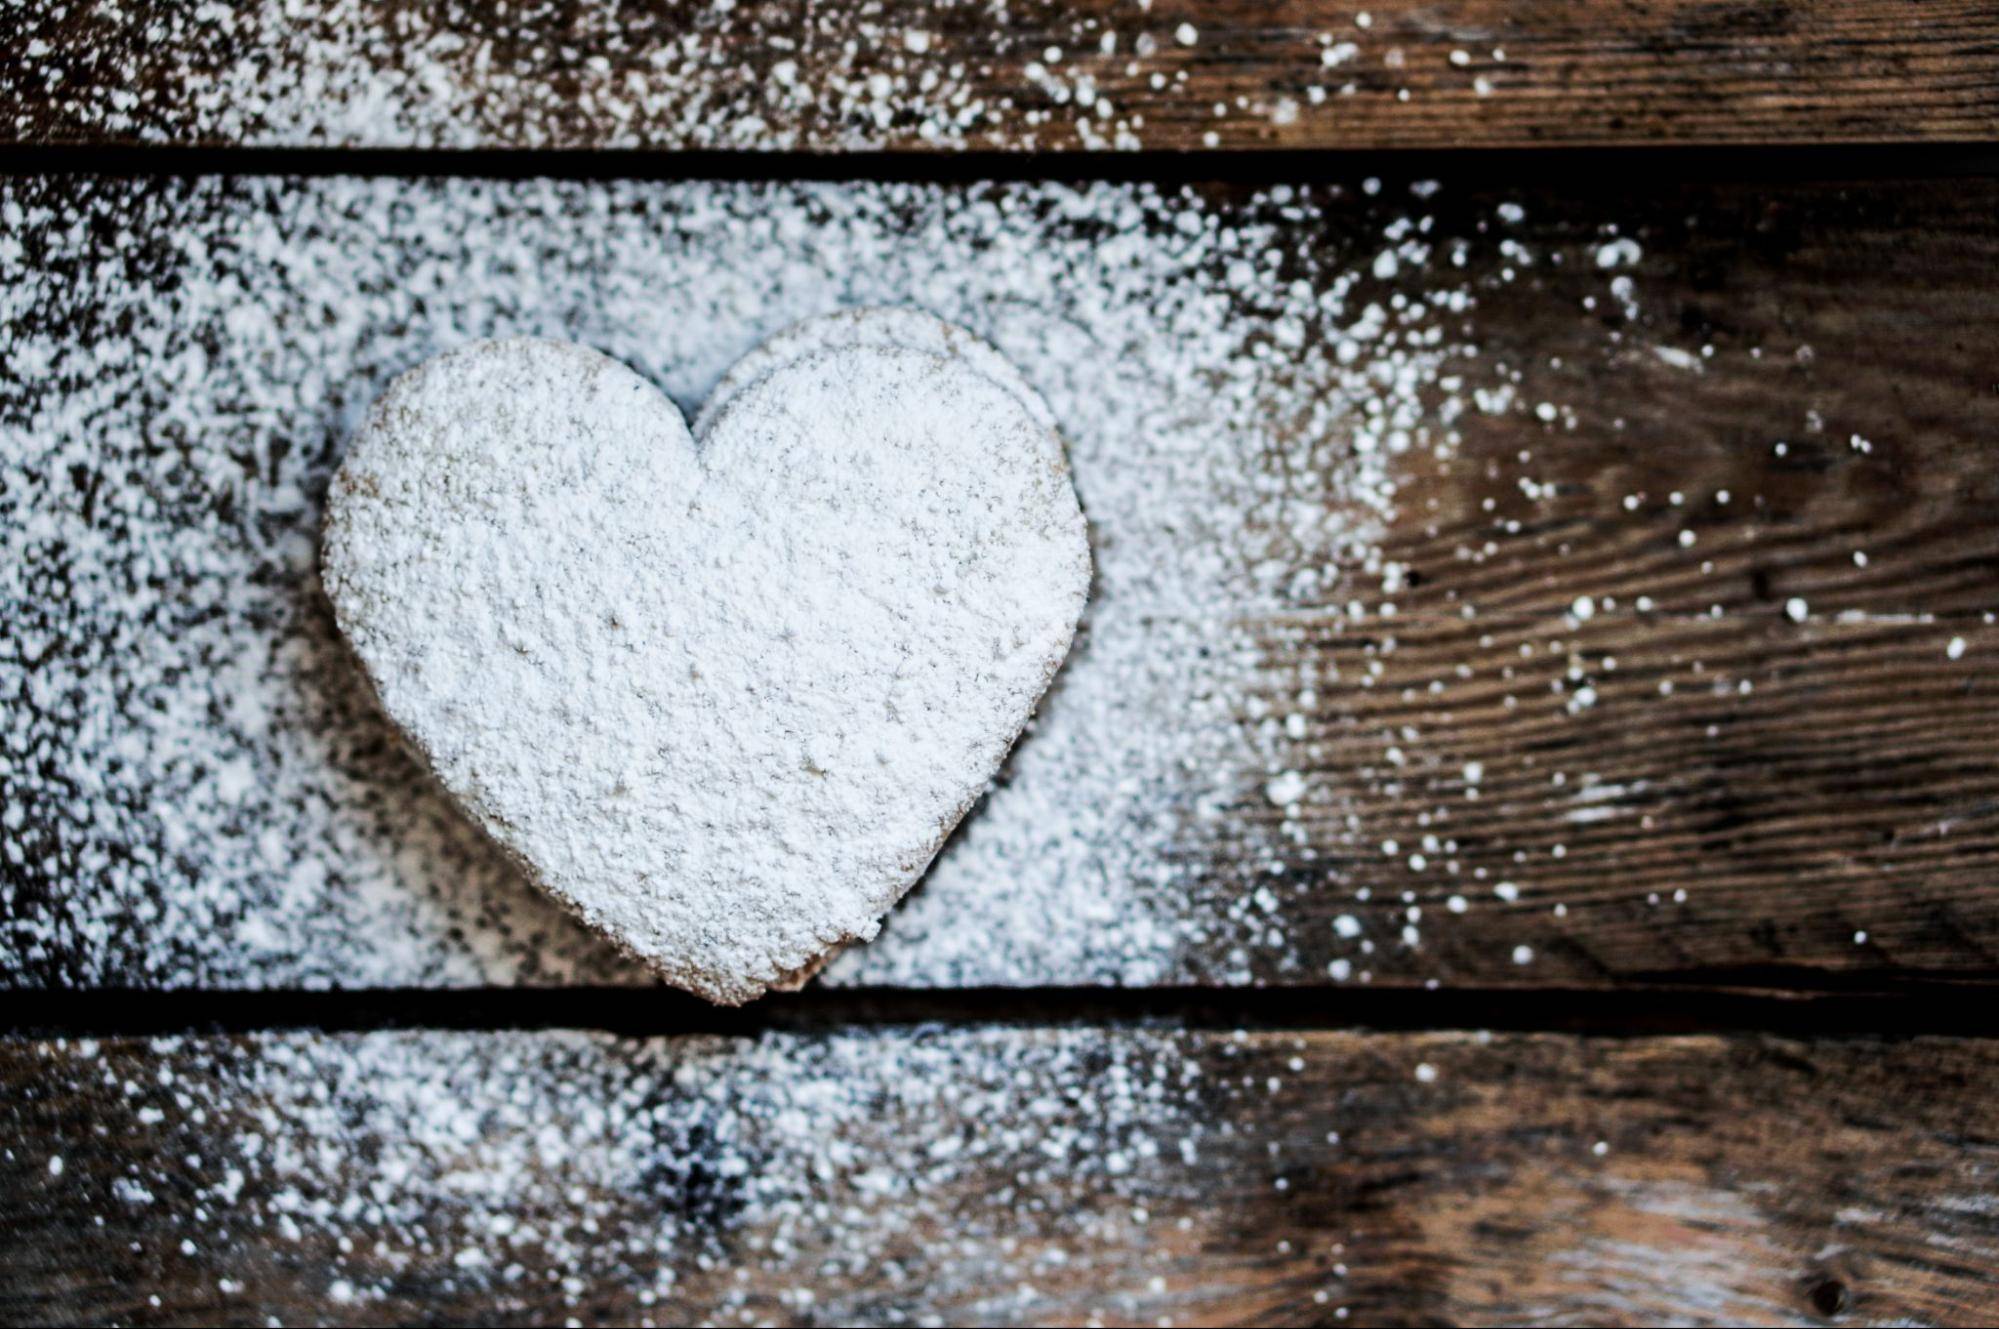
x=723, y=693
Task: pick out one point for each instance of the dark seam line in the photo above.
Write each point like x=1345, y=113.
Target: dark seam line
x=1589, y=167
x=1903, y=1009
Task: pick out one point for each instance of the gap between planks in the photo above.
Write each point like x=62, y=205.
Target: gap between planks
x=1814, y=1006
x=1518, y=167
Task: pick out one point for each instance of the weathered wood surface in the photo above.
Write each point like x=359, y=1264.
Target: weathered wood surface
x=904, y=1175
x=1352, y=459
x=919, y=75
x=1820, y=789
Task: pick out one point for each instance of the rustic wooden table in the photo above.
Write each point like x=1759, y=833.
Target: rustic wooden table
x=1518, y=840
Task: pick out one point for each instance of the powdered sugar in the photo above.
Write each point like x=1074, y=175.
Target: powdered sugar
x=199, y=793
x=912, y=1174
x=529, y=1170
x=726, y=704
x=729, y=76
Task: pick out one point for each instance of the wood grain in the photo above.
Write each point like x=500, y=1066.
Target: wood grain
x=1499, y=724
x=922, y=75
x=1820, y=784
x=1092, y=1175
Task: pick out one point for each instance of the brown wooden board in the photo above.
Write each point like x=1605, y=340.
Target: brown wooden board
x=998, y=1175
x=1573, y=589
x=923, y=75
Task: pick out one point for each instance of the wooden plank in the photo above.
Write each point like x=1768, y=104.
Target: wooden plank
x=925, y=75
x=1447, y=542
x=1804, y=806
x=1680, y=781
x=1085, y=1175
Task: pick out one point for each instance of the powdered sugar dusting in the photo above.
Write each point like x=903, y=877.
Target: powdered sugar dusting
x=1029, y=74
x=1024, y=1175
x=200, y=793
x=944, y=1165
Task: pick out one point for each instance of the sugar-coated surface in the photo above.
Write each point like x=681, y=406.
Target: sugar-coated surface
x=903, y=1160
x=923, y=1174
x=1277, y=753
x=726, y=700
x=198, y=790
x=621, y=74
